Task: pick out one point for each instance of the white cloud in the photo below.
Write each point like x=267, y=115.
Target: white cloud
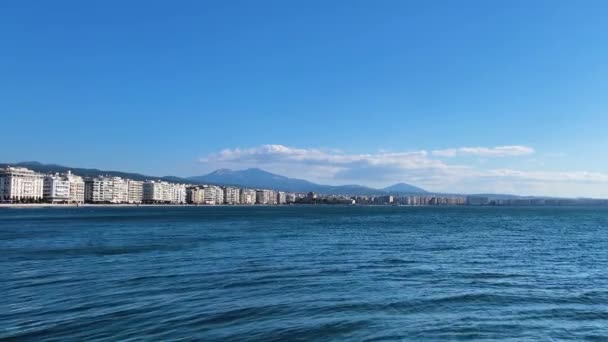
x=499, y=151
x=276, y=153
x=415, y=167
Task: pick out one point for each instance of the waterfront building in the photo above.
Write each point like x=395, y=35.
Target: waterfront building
x=219, y=195
x=477, y=200
x=213, y=195
x=195, y=195
x=178, y=193
x=156, y=192
x=209, y=195
x=281, y=197
x=98, y=190
x=18, y=184
x=248, y=196
x=290, y=197
x=232, y=195
x=135, y=191
x=56, y=188
x=76, y=188
x=272, y=197
x=120, y=190
x=388, y=199
x=262, y=196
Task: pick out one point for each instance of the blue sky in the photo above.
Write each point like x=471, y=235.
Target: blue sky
x=470, y=96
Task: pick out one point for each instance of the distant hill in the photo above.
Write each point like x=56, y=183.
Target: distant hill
x=52, y=168
x=250, y=178
x=401, y=188
x=257, y=178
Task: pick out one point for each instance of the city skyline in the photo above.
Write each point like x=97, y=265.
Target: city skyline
x=468, y=97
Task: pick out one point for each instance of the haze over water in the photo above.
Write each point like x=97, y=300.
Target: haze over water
x=303, y=273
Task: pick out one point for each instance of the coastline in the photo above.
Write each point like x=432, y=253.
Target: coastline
x=125, y=205
x=90, y=205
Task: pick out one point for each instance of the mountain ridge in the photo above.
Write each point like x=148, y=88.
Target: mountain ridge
x=248, y=178
x=258, y=178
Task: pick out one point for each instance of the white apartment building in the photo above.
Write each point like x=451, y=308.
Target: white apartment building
x=232, y=195
x=281, y=197
x=56, y=188
x=164, y=192
x=212, y=194
x=120, y=190
x=178, y=193
x=290, y=197
x=156, y=192
x=272, y=197
x=99, y=190
x=209, y=194
x=20, y=184
x=135, y=191
x=263, y=196
x=76, y=188
x=195, y=195
x=219, y=195
x=248, y=196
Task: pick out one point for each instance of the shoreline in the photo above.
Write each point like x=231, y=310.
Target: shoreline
x=101, y=205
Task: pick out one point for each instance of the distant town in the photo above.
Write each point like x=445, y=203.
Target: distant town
x=20, y=185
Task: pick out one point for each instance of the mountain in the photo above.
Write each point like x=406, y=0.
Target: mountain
x=256, y=178
x=249, y=178
x=401, y=188
x=52, y=168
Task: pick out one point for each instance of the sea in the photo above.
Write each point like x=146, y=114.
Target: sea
x=304, y=273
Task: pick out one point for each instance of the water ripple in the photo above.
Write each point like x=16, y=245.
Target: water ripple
x=304, y=274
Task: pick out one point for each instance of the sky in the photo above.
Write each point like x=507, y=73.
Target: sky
x=453, y=96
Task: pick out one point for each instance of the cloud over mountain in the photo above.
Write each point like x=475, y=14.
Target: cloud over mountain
x=417, y=167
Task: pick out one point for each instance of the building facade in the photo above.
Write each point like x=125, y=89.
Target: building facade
x=56, y=188
x=155, y=192
x=120, y=190
x=98, y=190
x=281, y=197
x=263, y=196
x=248, y=196
x=232, y=195
x=195, y=195
x=290, y=197
x=18, y=184
x=135, y=191
x=160, y=192
x=76, y=188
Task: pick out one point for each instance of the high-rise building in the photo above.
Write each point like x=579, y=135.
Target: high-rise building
x=155, y=192
x=232, y=195
x=120, y=190
x=195, y=195
x=248, y=196
x=219, y=195
x=263, y=197
x=19, y=184
x=272, y=197
x=178, y=193
x=164, y=193
x=135, y=191
x=281, y=197
x=290, y=197
x=99, y=190
x=56, y=188
x=211, y=194
x=76, y=188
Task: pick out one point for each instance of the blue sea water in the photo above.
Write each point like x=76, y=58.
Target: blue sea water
x=303, y=273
